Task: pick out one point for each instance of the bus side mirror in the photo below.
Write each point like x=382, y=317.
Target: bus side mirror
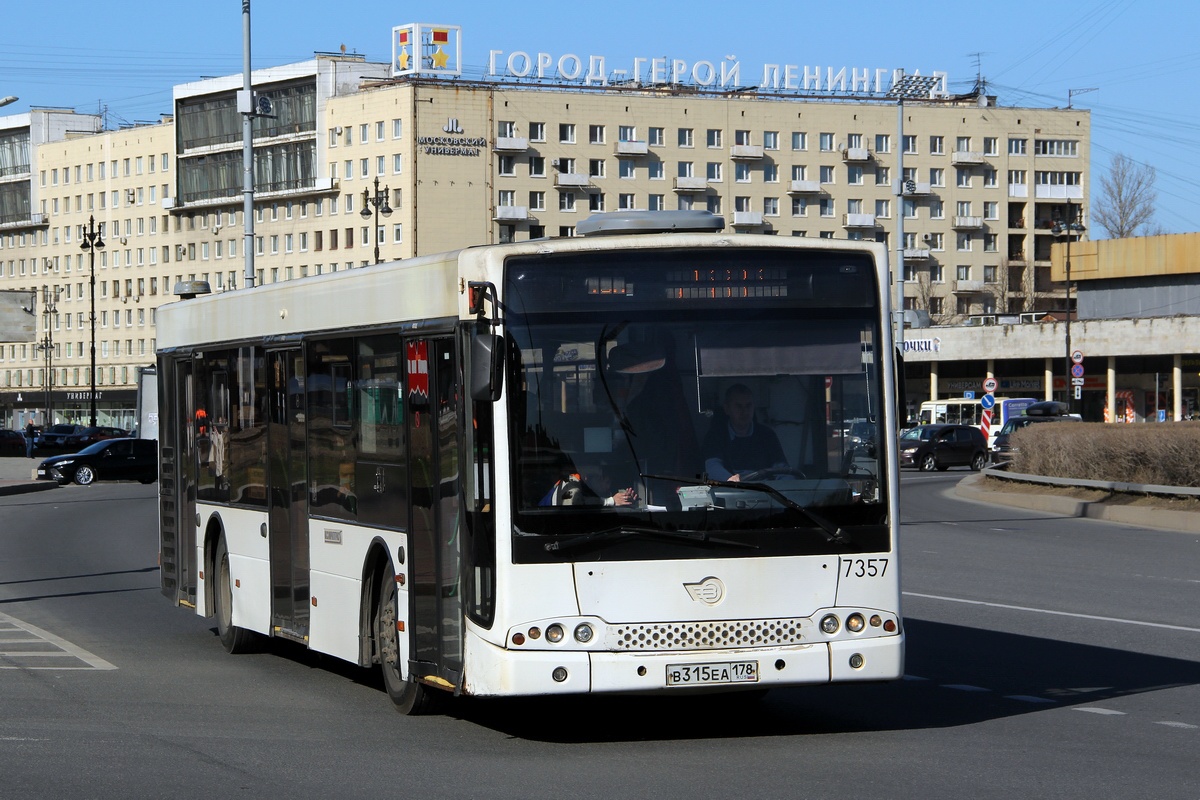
x=901, y=393
x=487, y=364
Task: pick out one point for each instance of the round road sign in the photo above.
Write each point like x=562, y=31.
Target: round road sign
x=989, y=385
x=1077, y=356
x=987, y=401
x=1077, y=370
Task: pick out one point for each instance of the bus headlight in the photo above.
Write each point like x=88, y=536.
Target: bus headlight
x=830, y=624
x=855, y=623
x=583, y=633
x=554, y=633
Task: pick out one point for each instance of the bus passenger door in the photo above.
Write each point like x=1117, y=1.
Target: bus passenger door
x=177, y=484
x=433, y=399
x=287, y=493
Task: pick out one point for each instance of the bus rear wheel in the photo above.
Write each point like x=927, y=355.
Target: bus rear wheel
x=233, y=638
x=409, y=697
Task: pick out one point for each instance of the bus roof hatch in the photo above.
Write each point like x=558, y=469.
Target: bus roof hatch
x=617, y=222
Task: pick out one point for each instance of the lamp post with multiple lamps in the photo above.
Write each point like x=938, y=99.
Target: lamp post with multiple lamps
x=91, y=241
x=46, y=347
x=373, y=206
x=1068, y=228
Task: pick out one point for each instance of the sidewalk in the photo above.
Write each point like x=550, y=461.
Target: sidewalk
x=17, y=475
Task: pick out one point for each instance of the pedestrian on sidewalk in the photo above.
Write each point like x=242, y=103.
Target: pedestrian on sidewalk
x=30, y=433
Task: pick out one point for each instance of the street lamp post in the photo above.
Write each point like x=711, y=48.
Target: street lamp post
x=1068, y=228
x=904, y=87
x=91, y=242
x=46, y=346
x=373, y=206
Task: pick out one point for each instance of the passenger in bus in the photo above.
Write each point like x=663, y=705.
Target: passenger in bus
x=590, y=488
x=736, y=444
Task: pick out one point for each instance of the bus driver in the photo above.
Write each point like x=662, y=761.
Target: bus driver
x=737, y=445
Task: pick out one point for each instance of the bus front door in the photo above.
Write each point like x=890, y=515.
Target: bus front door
x=433, y=437
x=287, y=484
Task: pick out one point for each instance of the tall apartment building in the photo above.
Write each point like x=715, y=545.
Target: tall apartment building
x=462, y=162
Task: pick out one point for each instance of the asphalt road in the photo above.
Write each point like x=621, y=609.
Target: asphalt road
x=1048, y=657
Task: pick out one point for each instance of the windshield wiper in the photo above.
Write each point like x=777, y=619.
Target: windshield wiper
x=832, y=532
x=687, y=536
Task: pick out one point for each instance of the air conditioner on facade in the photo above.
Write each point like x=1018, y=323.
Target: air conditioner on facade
x=557, y=162
x=928, y=237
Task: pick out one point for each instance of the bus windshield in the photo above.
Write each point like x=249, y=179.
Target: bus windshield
x=677, y=392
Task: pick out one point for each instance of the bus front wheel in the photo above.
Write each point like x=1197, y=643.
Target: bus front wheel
x=233, y=638
x=409, y=696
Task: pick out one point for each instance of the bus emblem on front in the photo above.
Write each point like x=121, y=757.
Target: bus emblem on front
x=709, y=591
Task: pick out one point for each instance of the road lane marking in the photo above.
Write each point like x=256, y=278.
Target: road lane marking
x=1105, y=711
x=1183, y=725
x=19, y=649
x=1054, y=613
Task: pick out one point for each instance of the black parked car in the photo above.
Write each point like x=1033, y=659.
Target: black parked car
x=12, y=443
x=930, y=447
x=111, y=460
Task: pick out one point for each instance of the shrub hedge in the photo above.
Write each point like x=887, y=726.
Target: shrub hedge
x=1166, y=454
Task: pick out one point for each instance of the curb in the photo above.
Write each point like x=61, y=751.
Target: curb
x=1160, y=518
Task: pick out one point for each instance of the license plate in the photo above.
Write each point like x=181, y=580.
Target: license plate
x=712, y=673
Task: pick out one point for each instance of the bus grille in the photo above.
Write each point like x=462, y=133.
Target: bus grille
x=668, y=636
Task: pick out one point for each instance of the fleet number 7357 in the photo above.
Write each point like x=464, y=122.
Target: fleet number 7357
x=866, y=567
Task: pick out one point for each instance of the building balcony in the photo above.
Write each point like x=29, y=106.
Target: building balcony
x=856, y=154
x=969, y=287
x=511, y=214
x=966, y=159
x=1018, y=190
x=571, y=180
x=632, y=148
x=746, y=152
x=858, y=220
x=511, y=144
x=18, y=220
x=1058, y=192
x=691, y=184
x=916, y=253
x=804, y=187
x=968, y=223
x=747, y=219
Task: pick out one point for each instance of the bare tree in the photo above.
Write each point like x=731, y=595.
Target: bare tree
x=1125, y=206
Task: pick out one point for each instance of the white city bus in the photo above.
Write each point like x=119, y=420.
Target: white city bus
x=484, y=471
x=969, y=411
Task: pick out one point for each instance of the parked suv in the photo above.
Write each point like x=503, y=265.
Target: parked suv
x=930, y=447
x=1046, y=411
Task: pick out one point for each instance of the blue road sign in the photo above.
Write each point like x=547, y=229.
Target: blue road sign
x=987, y=401
x=1077, y=370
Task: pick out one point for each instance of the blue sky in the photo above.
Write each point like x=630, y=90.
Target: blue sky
x=1141, y=56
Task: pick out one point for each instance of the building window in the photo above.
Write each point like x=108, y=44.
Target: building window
x=596, y=168
x=770, y=206
x=854, y=175
x=964, y=242
x=937, y=145
x=770, y=140
x=397, y=128
x=991, y=146
x=566, y=201
x=626, y=133
x=827, y=207
x=684, y=169
x=686, y=137
x=883, y=143
x=937, y=177
x=989, y=273
x=537, y=131
x=1067, y=148
x=625, y=201
x=537, y=201
x=910, y=144
x=937, y=273
x=963, y=178
x=713, y=137
x=883, y=208
x=566, y=133
x=656, y=170
x=799, y=207
x=799, y=140
x=537, y=166
x=989, y=178
x=596, y=201
x=507, y=165
x=1016, y=147
x=656, y=202
x=656, y=137
x=962, y=272
x=596, y=134
x=883, y=176
x=626, y=168
x=826, y=174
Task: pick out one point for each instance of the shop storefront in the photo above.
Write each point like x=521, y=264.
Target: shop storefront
x=114, y=407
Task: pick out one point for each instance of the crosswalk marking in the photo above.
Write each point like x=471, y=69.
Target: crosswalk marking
x=26, y=647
